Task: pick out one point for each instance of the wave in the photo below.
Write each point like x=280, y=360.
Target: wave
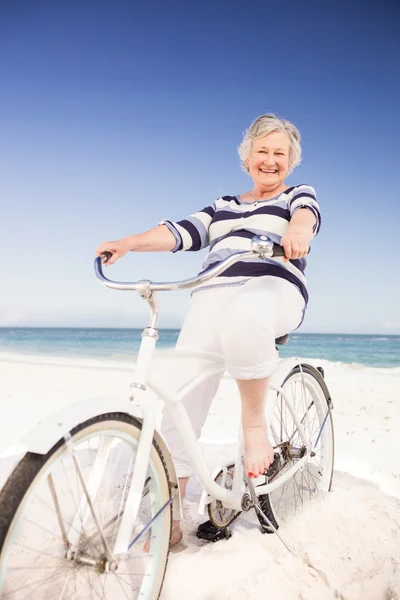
x=126, y=361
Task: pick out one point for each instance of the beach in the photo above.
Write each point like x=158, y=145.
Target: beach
x=347, y=542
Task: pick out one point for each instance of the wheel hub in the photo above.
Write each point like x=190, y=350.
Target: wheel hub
x=290, y=452
x=100, y=565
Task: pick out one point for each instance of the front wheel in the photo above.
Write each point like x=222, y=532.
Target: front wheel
x=53, y=545
x=307, y=392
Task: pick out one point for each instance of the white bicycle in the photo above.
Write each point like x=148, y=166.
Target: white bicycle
x=87, y=512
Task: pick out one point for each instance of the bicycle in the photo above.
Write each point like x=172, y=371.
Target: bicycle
x=87, y=512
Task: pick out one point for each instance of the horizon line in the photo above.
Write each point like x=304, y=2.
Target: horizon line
x=295, y=332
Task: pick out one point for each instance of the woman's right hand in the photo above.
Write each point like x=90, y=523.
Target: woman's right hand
x=118, y=249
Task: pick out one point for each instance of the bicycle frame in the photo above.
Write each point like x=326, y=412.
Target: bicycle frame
x=150, y=405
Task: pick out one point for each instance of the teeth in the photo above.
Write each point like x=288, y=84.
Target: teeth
x=268, y=170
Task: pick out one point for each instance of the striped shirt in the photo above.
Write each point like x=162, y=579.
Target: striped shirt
x=228, y=225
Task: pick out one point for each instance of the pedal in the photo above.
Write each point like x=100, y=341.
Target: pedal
x=207, y=531
x=273, y=468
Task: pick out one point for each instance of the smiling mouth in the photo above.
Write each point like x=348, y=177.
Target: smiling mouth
x=271, y=171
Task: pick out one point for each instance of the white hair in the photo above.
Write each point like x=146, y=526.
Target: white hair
x=264, y=125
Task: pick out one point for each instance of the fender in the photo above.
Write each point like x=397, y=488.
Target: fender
x=278, y=377
x=285, y=366
x=42, y=437
x=281, y=372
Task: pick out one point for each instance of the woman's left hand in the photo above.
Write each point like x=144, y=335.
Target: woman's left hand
x=296, y=245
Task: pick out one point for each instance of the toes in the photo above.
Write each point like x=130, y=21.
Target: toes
x=255, y=469
x=251, y=470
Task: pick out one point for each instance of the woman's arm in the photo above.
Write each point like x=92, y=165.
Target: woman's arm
x=189, y=234
x=159, y=239
x=296, y=241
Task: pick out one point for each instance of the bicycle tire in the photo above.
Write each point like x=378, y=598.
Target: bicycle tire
x=34, y=469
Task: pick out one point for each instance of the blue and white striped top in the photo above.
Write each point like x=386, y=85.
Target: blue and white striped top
x=228, y=225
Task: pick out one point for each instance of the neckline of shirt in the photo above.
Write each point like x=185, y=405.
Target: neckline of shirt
x=258, y=201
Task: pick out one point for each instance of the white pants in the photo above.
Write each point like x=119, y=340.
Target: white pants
x=238, y=324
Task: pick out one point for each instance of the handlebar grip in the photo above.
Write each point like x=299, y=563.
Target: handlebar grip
x=107, y=255
x=278, y=250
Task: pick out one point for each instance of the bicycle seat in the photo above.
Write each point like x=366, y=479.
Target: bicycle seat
x=282, y=340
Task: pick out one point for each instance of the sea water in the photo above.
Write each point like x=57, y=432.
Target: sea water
x=121, y=344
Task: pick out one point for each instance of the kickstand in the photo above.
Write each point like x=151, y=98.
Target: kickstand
x=257, y=508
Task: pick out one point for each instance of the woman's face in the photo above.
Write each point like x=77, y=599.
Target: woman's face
x=268, y=163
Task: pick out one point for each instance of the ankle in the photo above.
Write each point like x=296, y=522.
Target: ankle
x=182, y=482
x=254, y=426
x=176, y=524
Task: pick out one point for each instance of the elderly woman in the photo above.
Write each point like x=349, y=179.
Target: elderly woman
x=238, y=316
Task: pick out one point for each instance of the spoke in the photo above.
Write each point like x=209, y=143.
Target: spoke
x=294, y=493
x=106, y=486
x=44, y=580
x=281, y=437
x=315, y=481
x=114, y=536
x=87, y=541
x=284, y=488
x=316, y=462
x=315, y=419
x=282, y=422
x=53, y=493
x=120, y=585
x=75, y=582
x=89, y=502
x=86, y=574
x=93, y=587
x=31, y=569
x=131, y=575
x=305, y=482
x=40, y=552
x=86, y=577
x=118, y=573
x=110, y=473
x=103, y=582
x=149, y=524
x=59, y=537
x=77, y=509
x=297, y=485
x=303, y=486
x=304, y=415
x=311, y=480
x=61, y=597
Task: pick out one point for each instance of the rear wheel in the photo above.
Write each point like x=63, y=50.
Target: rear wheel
x=51, y=545
x=309, y=396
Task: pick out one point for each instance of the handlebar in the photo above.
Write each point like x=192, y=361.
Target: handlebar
x=261, y=246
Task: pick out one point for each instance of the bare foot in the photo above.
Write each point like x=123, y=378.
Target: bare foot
x=176, y=536
x=258, y=452
x=176, y=533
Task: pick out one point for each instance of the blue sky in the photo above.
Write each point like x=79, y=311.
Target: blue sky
x=116, y=115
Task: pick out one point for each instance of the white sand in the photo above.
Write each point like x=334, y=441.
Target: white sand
x=348, y=541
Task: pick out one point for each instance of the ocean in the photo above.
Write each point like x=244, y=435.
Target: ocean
x=121, y=344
